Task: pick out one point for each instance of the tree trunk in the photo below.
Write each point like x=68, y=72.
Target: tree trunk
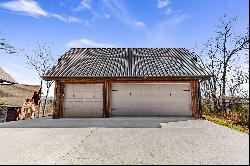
x=214, y=96
x=224, y=88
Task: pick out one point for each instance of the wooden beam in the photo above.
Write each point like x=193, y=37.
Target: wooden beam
x=195, y=104
x=55, y=114
x=106, y=94
x=104, y=99
x=61, y=99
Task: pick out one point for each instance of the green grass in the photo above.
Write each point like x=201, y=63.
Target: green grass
x=226, y=124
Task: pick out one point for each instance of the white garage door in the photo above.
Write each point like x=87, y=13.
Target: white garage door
x=168, y=99
x=83, y=100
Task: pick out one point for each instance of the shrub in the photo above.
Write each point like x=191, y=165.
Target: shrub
x=3, y=102
x=237, y=113
x=205, y=109
x=242, y=109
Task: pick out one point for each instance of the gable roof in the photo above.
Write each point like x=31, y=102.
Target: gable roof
x=16, y=94
x=127, y=62
x=5, y=77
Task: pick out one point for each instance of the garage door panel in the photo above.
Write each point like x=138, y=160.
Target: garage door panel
x=83, y=100
x=166, y=99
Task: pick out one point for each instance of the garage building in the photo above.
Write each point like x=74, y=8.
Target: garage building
x=126, y=82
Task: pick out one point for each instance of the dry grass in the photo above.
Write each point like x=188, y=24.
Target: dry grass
x=227, y=123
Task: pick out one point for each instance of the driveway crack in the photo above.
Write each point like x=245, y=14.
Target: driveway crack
x=74, y=149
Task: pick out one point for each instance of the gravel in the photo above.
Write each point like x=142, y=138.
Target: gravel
x=180, y=142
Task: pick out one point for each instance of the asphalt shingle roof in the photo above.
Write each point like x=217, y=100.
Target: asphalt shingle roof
x=127, y=62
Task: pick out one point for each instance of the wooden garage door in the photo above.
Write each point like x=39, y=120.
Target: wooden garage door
x=168, y=99
x=83, y=100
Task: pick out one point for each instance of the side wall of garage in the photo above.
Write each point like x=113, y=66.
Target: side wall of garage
x=59, y=92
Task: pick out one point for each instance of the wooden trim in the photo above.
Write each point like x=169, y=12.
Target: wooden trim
x=122, y=81
x=126, y=78
x=150, y=81
x=82, y=81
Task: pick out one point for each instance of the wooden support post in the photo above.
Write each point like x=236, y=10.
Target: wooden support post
x=108, y=98
x=197, y=113
x=199, y=99
x=104, y=99
x=106, y=92
x=55, y=114
x=61, y=99
x=195, y=103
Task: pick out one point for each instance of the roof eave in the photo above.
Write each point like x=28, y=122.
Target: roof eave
x=200, y=77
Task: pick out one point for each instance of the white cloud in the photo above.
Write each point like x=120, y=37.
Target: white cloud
x=118, y=9
x=74, y=20
x=177, y=19
x=121, y=12
x=105, y=15
x=87, y=23
x=32, y=8
x=168, y=10
x=163, y=3
x=58, y=17
x=85, y=43
x=97, y=13
x=165, y=6
x=66, y=19
x=163, y=34
x=29, y=7
x=140, y=24
x=84, y=4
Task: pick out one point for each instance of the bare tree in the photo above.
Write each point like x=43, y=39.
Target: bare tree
x=224, y=56
x=41, y=61
x=5, y=46
x=235, y=84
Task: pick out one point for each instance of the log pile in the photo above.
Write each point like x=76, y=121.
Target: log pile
x=29, y=110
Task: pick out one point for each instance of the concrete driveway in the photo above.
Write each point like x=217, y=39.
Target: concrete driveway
x=121, y=122
x=180, y=142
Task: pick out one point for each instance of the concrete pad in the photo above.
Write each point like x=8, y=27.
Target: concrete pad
x=121, y=122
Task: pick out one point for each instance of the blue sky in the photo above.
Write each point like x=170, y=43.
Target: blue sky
x=109, y=23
